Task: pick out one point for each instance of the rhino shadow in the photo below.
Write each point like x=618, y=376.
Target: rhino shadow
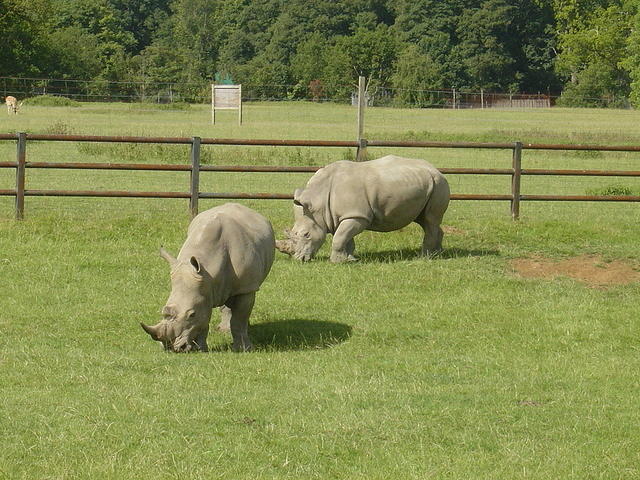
x=295, y=334
x=387, y=256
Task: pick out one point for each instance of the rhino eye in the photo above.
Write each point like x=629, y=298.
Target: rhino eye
x=307, y=235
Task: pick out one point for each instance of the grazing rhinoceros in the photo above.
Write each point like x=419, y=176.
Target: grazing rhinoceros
x=344, y=198
x=227, y=254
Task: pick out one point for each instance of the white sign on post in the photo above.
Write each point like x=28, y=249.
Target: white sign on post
x=226, y=97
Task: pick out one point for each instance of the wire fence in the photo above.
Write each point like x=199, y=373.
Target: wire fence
x=99, y=90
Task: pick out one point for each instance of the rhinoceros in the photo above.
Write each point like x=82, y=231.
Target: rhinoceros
x=227, y=255
x=344, y=198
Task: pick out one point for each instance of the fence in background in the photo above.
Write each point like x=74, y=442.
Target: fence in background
x=195, y=167
x=168, y=92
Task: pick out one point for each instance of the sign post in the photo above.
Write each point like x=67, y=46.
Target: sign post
x=226, y=97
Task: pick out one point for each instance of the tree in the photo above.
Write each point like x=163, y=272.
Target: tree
x=415, y=77
x=485, y=34
x=367, y=53
x=23, y=24
x=308, y=64
x=593, y=57
x=632, y=61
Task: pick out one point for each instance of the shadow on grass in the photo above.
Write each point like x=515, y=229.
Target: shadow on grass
x=295, y=334
x=387, y=256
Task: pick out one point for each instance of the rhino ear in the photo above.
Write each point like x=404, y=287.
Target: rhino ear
x=195, y=264
x=300, y=207
x=168, y=257
x=297, y=197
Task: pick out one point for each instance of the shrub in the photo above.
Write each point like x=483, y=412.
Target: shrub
x=58, y=128
x=611, y=190
x=51, y=101
x=160, y=106
x=140, y=153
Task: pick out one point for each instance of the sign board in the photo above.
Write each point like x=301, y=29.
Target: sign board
x=226, y=97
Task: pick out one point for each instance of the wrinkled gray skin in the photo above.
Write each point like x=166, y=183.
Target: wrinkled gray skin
x=345, y=198
x=227, y=254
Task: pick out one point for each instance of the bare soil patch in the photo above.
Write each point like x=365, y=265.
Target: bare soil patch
x=590, y=269
x=448, y=229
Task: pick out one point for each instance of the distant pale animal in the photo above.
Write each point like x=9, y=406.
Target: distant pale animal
x=344, y=198
x=12, y=104
x=227, y=255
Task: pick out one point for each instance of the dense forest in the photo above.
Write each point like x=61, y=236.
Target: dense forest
x=585, y=50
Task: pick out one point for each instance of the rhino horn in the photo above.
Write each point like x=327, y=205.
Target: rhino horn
x=168, y=257
x=153, y=330
x=284, y=246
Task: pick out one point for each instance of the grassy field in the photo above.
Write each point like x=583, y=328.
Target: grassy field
x=397, y=366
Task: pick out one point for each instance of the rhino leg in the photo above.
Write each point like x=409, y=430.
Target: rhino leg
x=201, y=340
x=241, y=306
x=432, y=241
x=343, y=245
x=225, y=319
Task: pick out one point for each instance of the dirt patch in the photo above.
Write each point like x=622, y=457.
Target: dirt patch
x=590, y=269
x=449, y=230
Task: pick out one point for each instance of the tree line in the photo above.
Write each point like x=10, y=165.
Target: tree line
x=583, y=50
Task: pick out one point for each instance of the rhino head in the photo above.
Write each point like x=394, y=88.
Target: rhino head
x=306, y=237
x=186, y=316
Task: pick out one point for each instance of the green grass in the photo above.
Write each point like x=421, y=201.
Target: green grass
x=395, y=367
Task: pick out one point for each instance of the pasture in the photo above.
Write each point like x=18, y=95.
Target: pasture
x=397, y=366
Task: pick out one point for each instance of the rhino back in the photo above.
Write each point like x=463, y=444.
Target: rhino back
x=234, y=244
x=389, y=192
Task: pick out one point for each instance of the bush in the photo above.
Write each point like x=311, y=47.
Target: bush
x=160, y=106
x=611, y=190
x=58, y=128
x=141, y=153
x=51, y=101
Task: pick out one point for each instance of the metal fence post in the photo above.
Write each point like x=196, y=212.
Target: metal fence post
x=195, y=176
x=515, y=180
x=20, y=174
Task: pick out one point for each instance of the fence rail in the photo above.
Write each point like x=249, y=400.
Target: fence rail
x=195, y=167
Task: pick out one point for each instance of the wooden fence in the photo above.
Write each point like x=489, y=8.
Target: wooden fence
x=195, y=167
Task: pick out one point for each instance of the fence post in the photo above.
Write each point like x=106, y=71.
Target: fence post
x=515, y=180
x=361, y=154
x=195, y=176
x=20, y=174
x=362, y=103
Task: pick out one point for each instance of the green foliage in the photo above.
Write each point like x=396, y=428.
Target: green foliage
x=611, y=190
x=51, y=101
x=415, y=74
x=24, y=49
x=632, y=62
x=160, y=106
x=594, y=49
x=485, y=34
x=140, y=153
x=276, y=49
x=59, y=128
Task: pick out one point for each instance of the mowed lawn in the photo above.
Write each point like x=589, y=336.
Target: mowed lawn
x=397, y=366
